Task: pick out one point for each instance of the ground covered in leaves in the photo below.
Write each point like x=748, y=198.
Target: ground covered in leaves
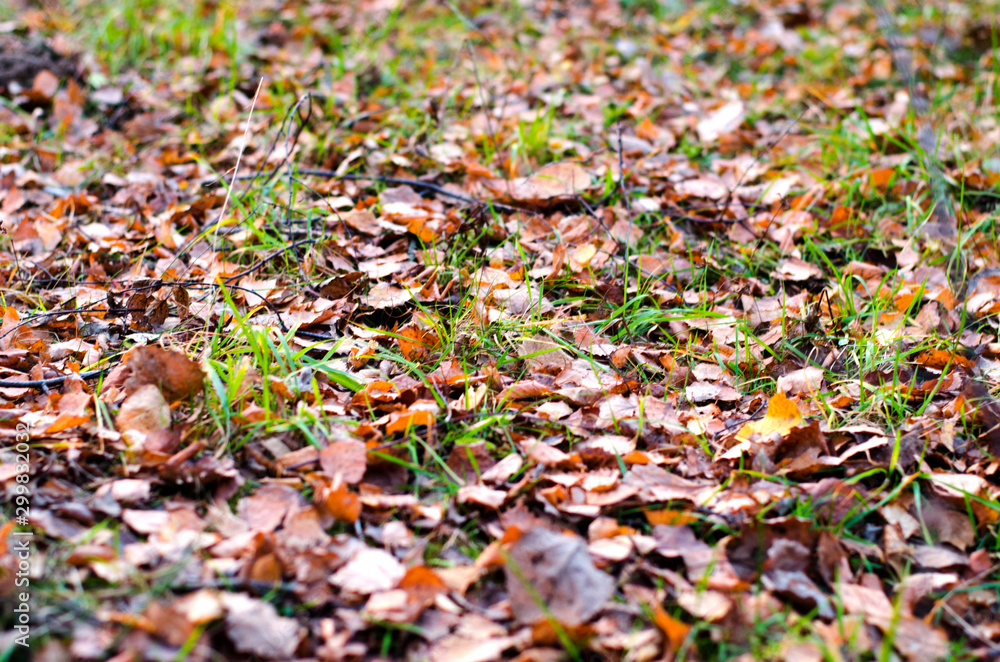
x=465, y=331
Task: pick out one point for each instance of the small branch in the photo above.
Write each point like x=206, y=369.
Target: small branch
x=53, y=382
x=415, y=183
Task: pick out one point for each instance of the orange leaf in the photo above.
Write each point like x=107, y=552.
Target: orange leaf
x=409, y=419
x=420, y=577
x=840, y=216
x=544, y=633
x=492, y=556
x=782, y=416
x=75, y=204
x=647, y=130
x=415, y=343
x=880, y=178
x=635, y=457
x=418, y=226
x=379, y=386
x=676, y=631
x=511, y=535
x=474, y=169
x=669, y=517
x=341, y=503
x=65, y=421
x=267, y=568
x=937, y=359
x=5, y=530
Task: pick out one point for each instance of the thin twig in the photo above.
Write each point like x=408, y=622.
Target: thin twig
x=46, y=384
x=239, y=157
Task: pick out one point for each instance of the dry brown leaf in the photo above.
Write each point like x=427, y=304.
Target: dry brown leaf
x=558, y=568
x=384, y=295
x=145, y=410
x=369, y=571
x=254, y=626
x=503, y=470
x=709, y=605
x=806, y=381
x=176, y=375
x=348, y=457
x=458, y=648
x=482, y=495
x=551, y=182
x=265, y=509
x=920, y=642
x=720, y=121
x=362, y=221
x=794, y=269
x=541, y=353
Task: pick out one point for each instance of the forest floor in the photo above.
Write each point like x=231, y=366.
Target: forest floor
x=465, y=331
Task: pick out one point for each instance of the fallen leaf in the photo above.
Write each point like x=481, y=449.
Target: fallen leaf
x=254, y=626
x=782, y=415
x=457, y=648
x=338, y=501
x=74, y=409
x=482, y=495
x=557, y=569
x=404, y=421
x=720, y=121
x=551, y=182
x=806, y=381
x=668, y=517
x=177, y=376
x=348, y=457
x=45, y=84
x=384, y=295
x=145, y=410
x=503, y=470
x=415, y=344
x=369, y=571
x=794, y=269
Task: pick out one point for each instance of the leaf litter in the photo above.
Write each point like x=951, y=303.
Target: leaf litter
x=508, y=346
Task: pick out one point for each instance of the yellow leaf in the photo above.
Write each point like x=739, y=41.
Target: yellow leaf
x=782, y=416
